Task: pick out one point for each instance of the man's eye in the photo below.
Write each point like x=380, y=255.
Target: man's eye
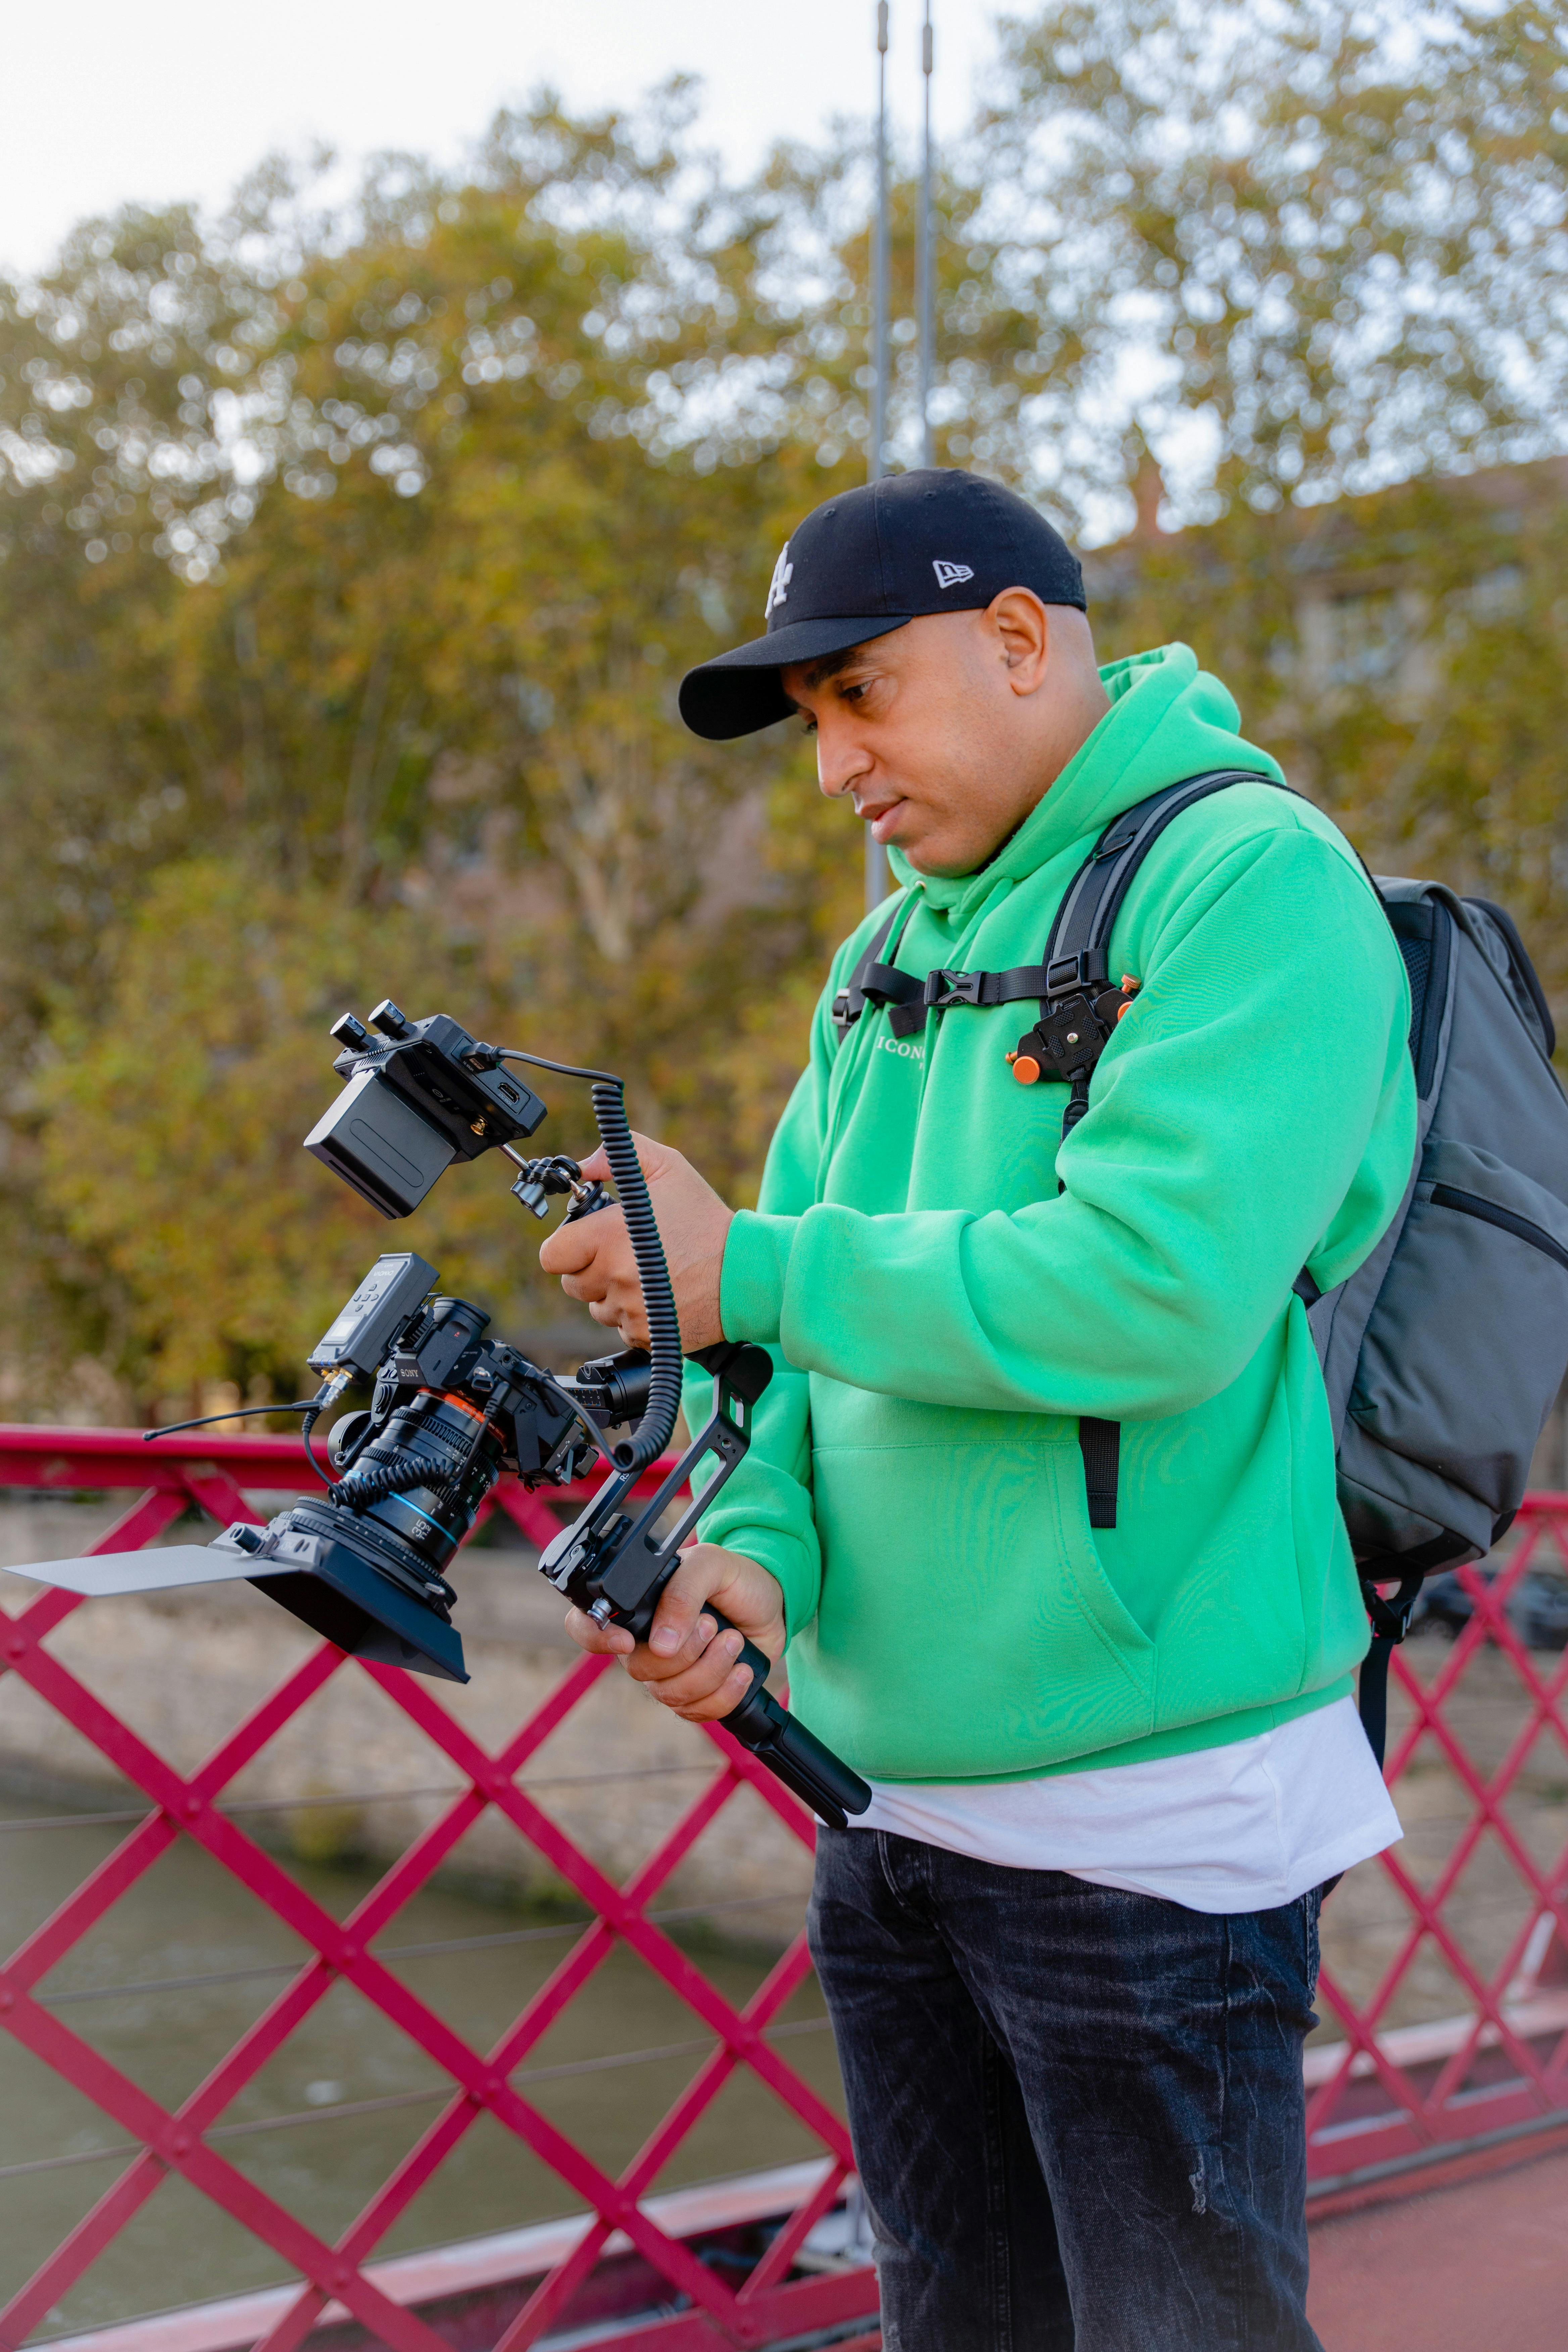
x=808, y=726
x=853, y=693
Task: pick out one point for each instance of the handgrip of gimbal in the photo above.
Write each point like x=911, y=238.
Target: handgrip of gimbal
x=791, y=1753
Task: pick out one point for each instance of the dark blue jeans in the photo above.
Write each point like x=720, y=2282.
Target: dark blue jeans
x=1078, y=2114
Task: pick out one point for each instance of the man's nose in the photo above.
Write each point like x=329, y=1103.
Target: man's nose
x=841, y=762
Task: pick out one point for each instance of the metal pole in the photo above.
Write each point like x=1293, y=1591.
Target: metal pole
x=875, y=855
x=879, y=267
x=927, y=262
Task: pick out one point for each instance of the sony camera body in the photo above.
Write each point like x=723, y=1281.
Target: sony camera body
x=364, y=1561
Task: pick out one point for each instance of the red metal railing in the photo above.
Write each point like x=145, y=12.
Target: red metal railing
x=769, y=2304
x=1391, y=2097
x=1387, y=2095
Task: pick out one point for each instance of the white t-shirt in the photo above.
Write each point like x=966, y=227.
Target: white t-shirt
x=1243, y=1828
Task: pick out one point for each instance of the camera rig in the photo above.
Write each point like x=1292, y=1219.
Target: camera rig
x=364, y=1561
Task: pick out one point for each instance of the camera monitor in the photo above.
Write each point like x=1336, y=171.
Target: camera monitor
x=417, y=1097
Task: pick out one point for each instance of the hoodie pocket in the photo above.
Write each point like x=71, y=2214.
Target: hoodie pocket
x=1095, y=1595
x=966, y=1627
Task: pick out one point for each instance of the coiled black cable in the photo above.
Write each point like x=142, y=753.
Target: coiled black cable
x=608, y=1096
x=361, y=1488
x=666, y=1372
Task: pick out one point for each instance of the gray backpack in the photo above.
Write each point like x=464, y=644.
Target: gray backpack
x=1443, y=1353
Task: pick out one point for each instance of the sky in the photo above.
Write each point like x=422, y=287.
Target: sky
x=107, y=104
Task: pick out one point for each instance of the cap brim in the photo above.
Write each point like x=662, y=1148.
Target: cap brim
x=738, y=692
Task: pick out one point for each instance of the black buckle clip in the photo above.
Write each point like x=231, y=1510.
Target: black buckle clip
x=943, y=988
x=1085, y=971
x=1391, y=1617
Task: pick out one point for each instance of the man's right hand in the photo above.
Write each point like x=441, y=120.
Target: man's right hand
x=686, y=1663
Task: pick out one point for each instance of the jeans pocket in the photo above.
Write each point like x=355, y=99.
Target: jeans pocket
x=1311, y=1912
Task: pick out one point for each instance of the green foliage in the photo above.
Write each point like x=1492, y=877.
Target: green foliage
x=1331, y=232
x=398, y=716
x=171, y=1131
x=348, y=566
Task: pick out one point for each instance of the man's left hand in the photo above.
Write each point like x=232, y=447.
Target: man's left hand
x=593, y=1255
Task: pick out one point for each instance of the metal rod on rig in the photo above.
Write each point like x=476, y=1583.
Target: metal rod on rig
x=927, y=258
x=876, y=857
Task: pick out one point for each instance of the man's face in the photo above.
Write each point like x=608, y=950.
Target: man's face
x=926, y=732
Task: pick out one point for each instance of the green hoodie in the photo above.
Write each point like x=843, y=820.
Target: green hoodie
x=939, y=1314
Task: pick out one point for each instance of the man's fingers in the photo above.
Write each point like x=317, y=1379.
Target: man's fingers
x=582, y=1287
x=655, y=1158
x=696, y=1685
x=699, y=1681
x=687, y=1664
x=570, y=1247
x=711, y=1686
x=604, y=1640
x=681, y=1602
x=667, y=1650
x=723, y=1701
x=597, y=1269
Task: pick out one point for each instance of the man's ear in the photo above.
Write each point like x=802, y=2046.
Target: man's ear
x=1023, y=629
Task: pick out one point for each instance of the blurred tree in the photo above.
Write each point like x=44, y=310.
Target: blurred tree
x=402, y=659
x=1405, y=654
x=1316, y=245
x=171, y=1131
x=348, y=566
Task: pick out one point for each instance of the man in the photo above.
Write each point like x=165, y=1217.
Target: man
x=1070, y=1952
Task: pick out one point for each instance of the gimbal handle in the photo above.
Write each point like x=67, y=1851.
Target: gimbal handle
x=791, y=1753
x=615, y=1567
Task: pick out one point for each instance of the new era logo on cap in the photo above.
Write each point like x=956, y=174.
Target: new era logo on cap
x=778, y=586
x=865, y=563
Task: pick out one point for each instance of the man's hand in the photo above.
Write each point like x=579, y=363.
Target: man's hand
x=594, y=1256
x=686, y=1663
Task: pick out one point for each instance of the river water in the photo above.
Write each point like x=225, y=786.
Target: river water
x=185, y=1962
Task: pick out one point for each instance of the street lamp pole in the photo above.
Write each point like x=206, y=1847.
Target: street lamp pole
x=876, y=857
x=879, y=263
x=927, y=258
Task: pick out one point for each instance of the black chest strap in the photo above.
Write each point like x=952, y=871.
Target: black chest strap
x=874, y=982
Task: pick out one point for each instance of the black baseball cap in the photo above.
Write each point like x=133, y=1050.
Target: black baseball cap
x=864, y=564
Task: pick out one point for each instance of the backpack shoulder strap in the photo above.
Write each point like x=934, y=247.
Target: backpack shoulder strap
x=1079, y=1009
x=1072, y=1027
x=1076, y=969
x=1094, y=897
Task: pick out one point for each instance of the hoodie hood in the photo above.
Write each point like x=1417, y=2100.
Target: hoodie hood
x=1168, y=718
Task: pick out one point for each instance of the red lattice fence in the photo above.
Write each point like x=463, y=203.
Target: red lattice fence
x=1475, y=1899
x=767, y=2304
x=1390, y=2094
